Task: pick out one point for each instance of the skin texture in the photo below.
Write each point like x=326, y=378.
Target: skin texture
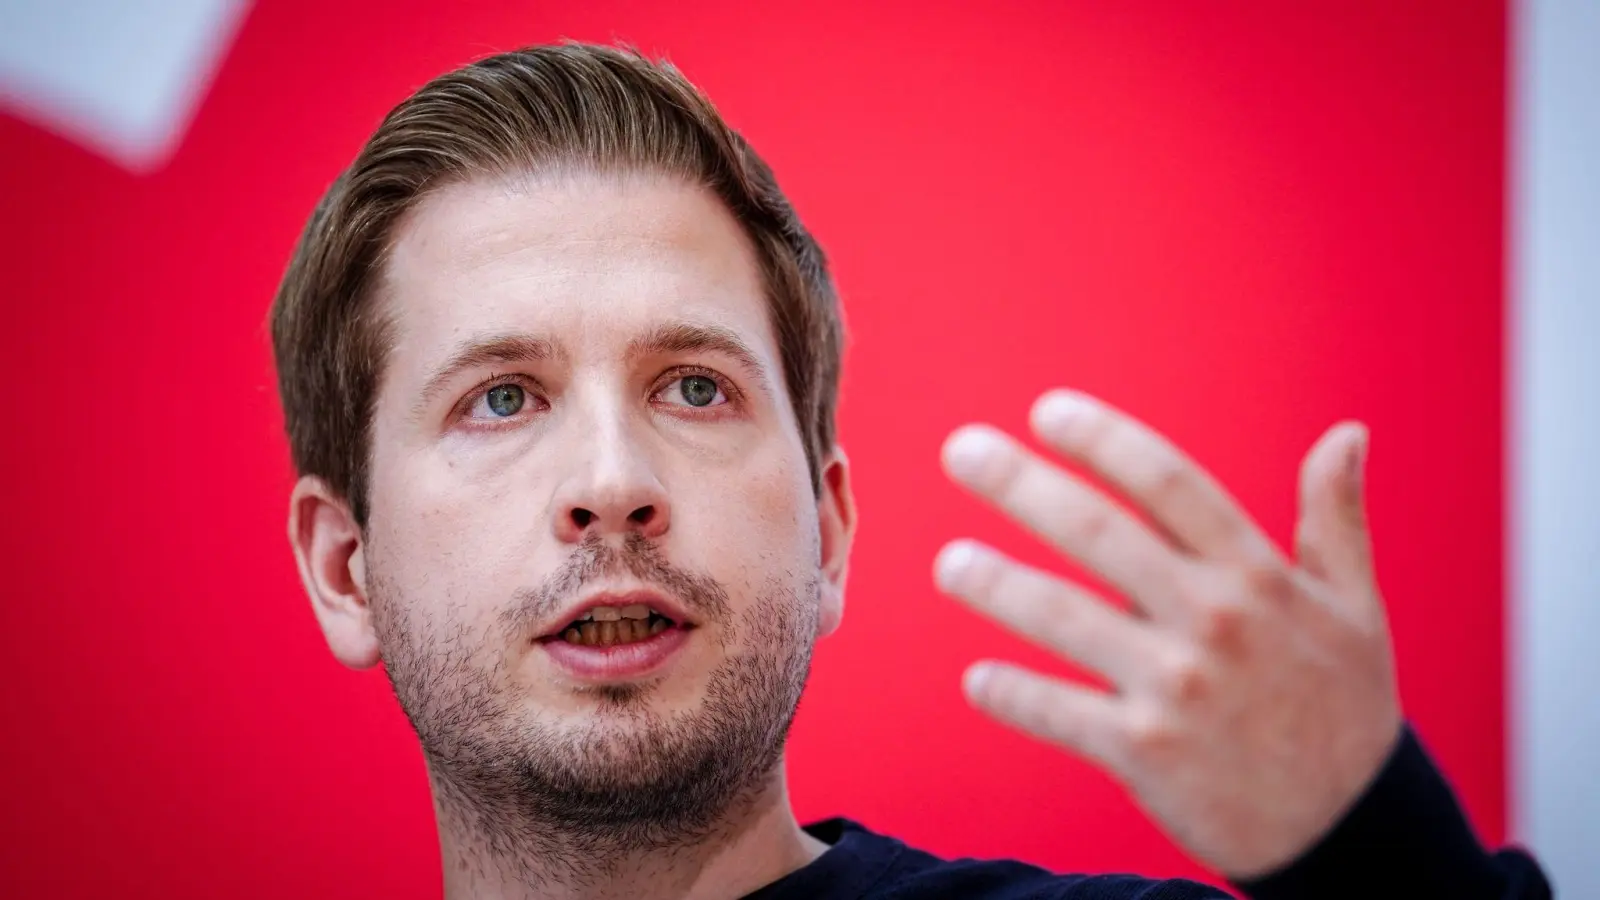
x=486, y=530
x=1252, y=690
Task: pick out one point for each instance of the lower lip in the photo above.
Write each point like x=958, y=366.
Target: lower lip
x=619, y=661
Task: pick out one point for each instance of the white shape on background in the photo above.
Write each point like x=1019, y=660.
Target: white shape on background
x=122, y=77
x=1554, y=404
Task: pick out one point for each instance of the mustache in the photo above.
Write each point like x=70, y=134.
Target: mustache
x=701, y=596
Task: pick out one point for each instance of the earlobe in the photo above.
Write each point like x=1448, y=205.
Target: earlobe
x=329, y=552
x=836, y=520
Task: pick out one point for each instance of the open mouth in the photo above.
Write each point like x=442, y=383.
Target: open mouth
x=611, y=626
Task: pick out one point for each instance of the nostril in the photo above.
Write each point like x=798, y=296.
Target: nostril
x=642, y=517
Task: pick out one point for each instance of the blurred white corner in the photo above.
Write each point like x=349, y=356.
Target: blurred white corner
x=1554, y=439
x=122, y=77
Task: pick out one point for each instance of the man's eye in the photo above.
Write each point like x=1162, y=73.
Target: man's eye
x=695, y=390
x=501, y=401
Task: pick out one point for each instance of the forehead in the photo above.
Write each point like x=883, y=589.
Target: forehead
x=578, y=257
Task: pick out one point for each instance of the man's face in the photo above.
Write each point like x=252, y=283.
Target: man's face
x=583, y=413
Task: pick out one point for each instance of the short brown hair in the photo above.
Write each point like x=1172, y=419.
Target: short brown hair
x=572, y=105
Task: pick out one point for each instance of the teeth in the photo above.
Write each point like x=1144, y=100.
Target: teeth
x=621, y=631
x=613, y=614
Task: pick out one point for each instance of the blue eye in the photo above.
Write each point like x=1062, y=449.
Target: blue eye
x=505, y=400
x=698, y=390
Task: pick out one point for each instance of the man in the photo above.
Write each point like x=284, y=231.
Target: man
x=559, y=364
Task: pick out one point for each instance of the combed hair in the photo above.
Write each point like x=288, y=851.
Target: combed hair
x=572, y=106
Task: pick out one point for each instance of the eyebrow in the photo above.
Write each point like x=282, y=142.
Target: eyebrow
x=684, y=337
x=484, y=351
x=512, y=349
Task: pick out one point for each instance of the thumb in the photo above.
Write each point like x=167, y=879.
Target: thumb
x=1331, y=538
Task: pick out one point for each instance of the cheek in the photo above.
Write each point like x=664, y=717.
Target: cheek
x=759, y=520
x=448, y=536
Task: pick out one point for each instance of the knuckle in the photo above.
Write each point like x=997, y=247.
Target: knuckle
x=1059, y=634
x=1220, y=624
x=1065, y=729
x=1013, y=584
x=1021, y=606
x=1184, y=680
x=1271, y=584
x=1168, y=481
x=1094, y=526
x=1057, y=722
x=1149, y=734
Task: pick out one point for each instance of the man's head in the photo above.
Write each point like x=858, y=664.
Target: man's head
x=553, y=348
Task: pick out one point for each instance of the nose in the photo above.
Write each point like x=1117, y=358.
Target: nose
x=612, y=491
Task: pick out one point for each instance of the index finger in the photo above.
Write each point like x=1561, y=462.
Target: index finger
x=1178, y=495
x=1063, y=509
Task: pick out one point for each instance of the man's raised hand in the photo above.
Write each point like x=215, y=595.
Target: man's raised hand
x=1253, y=696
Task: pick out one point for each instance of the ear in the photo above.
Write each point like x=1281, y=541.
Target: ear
x=328, y=550
x=836, y=519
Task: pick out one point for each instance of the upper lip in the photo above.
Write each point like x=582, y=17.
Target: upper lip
x=656, y=600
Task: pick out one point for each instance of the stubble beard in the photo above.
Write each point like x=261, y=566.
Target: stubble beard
x=572, y=802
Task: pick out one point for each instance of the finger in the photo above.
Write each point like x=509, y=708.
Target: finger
x=1180, y=496
x=1073, y=716
x=1052, y=613
x=1331, y=537
x=1062, y=509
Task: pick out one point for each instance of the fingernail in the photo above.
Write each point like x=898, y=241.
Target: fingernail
x=1055, y=411
x=954, y=561
x=976, y=677
x=969, y=450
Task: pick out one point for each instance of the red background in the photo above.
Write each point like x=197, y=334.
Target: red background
x=1240, y=221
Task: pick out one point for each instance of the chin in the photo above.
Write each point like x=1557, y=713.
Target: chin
x=622, y=697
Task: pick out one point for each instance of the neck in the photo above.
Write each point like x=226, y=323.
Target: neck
x=755, y=842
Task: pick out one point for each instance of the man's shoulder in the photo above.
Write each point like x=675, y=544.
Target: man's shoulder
x=861, y=863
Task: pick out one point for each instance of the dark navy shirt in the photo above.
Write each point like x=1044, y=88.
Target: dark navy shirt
x=1405, y=837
